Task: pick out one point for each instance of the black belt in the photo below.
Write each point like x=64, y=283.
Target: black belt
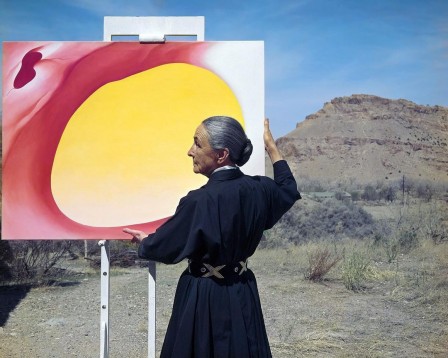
x=204, y=269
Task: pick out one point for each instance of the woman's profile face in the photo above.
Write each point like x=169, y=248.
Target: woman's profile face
x=205, y=159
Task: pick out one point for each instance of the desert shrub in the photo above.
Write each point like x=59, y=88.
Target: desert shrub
x=424, y=191
x=320, y=262
x=432, y=222
x=391, y=248
x=6, y=257
x=388, y=193
x=307, y=185
x=388, y=244
x=36, y=261
x=408, y=239
x=121, y=254
x=422, y=188
x=369, y=193
x=85, y=248
x=355, y=270
x=355, y=195
x=438, y=233
x=336, y=219
x=306, y=222
x=274, y=241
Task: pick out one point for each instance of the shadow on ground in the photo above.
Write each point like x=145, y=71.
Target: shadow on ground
x=10, y=297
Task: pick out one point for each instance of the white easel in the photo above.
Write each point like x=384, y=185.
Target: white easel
x=149, y=30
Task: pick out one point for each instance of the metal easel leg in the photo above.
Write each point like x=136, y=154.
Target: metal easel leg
x=152, y=310
x=105, y=281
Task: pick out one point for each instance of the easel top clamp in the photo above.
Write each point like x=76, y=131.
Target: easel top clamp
x=154, y=29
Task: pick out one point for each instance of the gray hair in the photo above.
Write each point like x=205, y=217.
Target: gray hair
x=227, y=132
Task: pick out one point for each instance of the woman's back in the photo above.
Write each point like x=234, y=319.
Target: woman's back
x=239, y=208
x=217, y=310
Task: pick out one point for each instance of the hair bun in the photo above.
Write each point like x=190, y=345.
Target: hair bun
x=227, y=132
x=245, y=153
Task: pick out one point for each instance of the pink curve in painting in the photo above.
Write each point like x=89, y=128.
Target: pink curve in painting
x=43, y=89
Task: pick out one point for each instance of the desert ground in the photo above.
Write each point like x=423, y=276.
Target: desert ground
x=401, y=310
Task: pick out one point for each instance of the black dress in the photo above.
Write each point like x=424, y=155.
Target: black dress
x=219, y=224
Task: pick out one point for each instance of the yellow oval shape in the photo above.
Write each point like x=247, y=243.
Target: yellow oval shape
x=122, y=158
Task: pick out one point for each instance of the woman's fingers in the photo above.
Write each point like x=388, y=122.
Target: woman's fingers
x=136, y=234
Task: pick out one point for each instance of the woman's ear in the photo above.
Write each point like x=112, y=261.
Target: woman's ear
x=223, y=156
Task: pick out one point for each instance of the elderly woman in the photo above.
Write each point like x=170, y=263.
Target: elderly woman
x=217, y=310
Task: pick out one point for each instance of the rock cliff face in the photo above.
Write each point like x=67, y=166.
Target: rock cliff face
x=365, y=139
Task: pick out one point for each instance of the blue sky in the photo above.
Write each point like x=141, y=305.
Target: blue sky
x=315, y=50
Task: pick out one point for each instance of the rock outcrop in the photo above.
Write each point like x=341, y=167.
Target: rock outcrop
x=365, y=139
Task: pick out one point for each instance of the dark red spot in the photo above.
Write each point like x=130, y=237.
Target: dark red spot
x=27, y=71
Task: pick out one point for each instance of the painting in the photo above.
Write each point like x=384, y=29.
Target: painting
x=96, y=134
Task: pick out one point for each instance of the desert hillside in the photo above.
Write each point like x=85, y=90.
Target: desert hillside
x=365, y=139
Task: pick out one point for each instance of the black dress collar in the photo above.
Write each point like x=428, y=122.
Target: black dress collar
x=223, y=175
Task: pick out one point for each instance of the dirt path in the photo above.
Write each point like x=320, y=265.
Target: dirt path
x=303, y=319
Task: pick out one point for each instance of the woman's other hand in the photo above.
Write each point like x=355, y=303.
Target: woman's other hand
x=137, y=235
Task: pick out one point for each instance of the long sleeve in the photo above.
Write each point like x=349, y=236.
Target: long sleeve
x=179, y=237
x=224, y=220
x=282, y=192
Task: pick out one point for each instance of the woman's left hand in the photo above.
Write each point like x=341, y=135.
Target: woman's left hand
x=137, y=235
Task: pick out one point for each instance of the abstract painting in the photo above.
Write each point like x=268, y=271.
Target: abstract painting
x=96, y=134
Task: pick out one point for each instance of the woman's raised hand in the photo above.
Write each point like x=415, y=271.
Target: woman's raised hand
x=269, y=143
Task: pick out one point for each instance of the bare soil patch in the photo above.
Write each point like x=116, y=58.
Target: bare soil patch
x=303, y=318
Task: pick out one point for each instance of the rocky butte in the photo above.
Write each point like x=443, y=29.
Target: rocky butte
x=365, y=139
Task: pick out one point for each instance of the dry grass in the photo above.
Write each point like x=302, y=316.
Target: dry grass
x=320, y=262
x=423, y=279
x=402, y=310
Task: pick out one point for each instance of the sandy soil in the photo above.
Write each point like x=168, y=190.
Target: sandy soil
x=303, y=319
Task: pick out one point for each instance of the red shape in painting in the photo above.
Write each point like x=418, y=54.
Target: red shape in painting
x=27, y=71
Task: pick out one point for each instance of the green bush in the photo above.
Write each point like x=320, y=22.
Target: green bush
x=408, y=239
x=355, y=270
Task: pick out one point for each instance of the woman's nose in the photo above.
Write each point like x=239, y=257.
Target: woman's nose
x=190, y=152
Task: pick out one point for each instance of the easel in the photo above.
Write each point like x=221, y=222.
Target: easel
x=149, y=30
